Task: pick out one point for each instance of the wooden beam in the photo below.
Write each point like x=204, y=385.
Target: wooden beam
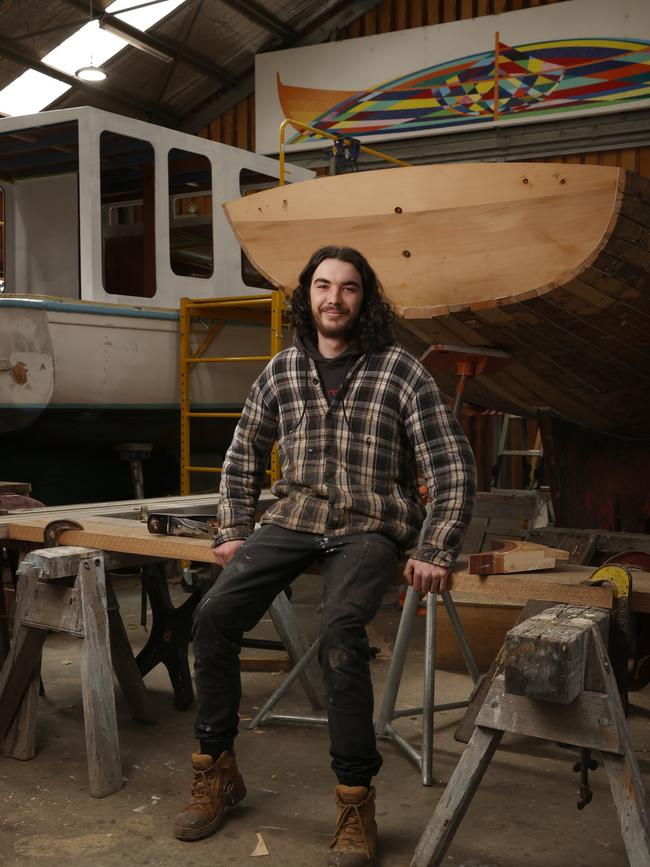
x=546, y=657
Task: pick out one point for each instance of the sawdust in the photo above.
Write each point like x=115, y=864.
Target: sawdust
x=48, y=846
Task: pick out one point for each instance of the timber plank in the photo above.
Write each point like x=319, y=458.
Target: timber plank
x=116, y=534
x=586, y=722
x=123, y=536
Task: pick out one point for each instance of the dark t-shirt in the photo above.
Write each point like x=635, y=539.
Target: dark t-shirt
x=331, y=371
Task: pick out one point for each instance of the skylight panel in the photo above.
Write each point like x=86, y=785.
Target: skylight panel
x=33, y=91
x=30, y=92
x=144, y=18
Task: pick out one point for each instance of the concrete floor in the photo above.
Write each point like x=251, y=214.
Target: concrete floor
x=524, y=812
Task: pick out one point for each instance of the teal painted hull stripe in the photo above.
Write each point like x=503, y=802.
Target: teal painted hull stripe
x=70, y=307
x=97, y=310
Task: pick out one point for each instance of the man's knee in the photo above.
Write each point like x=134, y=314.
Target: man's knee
x=342, y=645
x=213, y=616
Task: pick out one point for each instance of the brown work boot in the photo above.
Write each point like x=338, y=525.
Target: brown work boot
x=355, y=838
x=216, y=785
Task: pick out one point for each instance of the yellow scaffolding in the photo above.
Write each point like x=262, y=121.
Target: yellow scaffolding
x=241, y=309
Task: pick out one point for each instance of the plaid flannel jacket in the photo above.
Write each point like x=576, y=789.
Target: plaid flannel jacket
x=351, y=465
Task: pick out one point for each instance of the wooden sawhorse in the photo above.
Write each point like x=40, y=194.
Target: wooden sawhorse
x=64, y=589
x=558, y=685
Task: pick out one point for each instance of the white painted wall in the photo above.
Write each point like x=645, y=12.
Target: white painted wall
x=44, y=242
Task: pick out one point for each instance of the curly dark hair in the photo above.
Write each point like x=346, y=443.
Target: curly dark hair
x=373, y=328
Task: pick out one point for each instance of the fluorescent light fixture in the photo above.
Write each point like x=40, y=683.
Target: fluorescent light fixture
x=91, y=73
x=89, y=43
x=133, y=40
x=33, y=91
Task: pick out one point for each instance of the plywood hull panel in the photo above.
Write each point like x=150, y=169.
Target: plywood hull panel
x=549, y=262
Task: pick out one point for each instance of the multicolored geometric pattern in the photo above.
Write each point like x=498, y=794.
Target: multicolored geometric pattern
x=539, y=78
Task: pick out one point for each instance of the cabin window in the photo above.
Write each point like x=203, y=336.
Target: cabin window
x=191, y=248
x=128, y=216
x=2, y=240
x=252, y=182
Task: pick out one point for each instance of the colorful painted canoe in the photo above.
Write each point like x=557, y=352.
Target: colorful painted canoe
x=548, y=262
x=535, y=79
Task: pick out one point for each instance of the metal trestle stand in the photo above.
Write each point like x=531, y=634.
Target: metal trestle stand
x=388, y=712
x=467, y=362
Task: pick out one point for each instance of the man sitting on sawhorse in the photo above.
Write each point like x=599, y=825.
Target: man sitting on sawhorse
x=355, y=417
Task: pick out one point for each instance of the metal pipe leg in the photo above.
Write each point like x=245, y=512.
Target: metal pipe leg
x=293, y=675
x=428, y=699
x=457, y=626
x=389, y=697
x=296, y=643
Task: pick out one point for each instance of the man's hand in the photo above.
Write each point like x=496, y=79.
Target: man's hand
x=425, y=577
x=224, y=553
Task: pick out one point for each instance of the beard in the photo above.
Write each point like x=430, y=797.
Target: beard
x=332, y=329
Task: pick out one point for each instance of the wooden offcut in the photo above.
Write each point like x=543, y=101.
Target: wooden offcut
x=509, y=556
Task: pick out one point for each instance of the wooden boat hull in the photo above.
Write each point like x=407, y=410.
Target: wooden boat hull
x=547, y=262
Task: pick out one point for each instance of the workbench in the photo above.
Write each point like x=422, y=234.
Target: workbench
x=126, y=536
x=117, y=530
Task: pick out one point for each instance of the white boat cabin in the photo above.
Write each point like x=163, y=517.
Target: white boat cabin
x=97, y=207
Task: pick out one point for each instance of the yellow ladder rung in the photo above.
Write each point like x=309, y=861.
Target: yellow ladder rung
x=212, y=414
x=213, y=359
x=243, y=302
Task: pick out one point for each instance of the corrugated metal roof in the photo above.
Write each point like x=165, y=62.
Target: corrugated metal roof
x=212, y=44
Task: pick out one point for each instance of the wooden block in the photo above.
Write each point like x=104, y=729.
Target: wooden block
x=509, y=556
x=546, y=657
x=466, y=726
x=55, y=563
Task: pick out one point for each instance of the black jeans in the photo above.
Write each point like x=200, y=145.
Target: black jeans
x=356, y=570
